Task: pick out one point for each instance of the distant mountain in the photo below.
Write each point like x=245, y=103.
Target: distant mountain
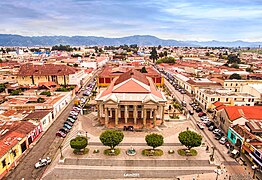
x=141, y=40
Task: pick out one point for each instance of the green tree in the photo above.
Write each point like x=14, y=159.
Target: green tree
x=40, y=100
x=143, y=70
x=159, y=47
x=2, y=87
x=161, y=54
x=154, y=140
x=153, y=55
x=47, y=93
x=235, y=65
x=235, y=76
x=78, y=143
x=15, y=92
x=232, y=58
x=169, y=60
x=111, y=138
x=165, y=53
x=190, y=139
x=249, y=70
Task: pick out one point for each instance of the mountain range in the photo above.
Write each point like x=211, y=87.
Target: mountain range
x=141, y=40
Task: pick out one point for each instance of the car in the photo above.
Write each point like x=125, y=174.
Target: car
x=67, y=126
x=216, y=131
x=69, y=123
x=218, y=136
x=205, y=121
x=76, y=109
x=198, y=109
x=227, y=144
x=235, y=153
x=204, y=118
x=195, y=107
x=73, y=113
x=183, y=92
x=183, y=103
x=209, y=123
x=200, y=125
x=72, y=116
x=64, y=130
x=191, y=112
x=201, y=114
x=71, y=120
x=42, y=162
x=191, y=103
x=223, y=140
x=60, y=134
x=211, y=128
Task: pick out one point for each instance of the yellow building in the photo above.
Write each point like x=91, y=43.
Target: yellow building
x=14, y=140
x=30, y=74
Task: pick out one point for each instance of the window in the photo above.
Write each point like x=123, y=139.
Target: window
x=231, y=84
x=236, y=84
x=232, y=136
x=218, y=99
x=3, y=163
x=226, y=99
x=226, y=84
x=212, y=99
x=14, y=152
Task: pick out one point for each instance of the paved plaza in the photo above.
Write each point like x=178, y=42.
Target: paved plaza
x=100, y=166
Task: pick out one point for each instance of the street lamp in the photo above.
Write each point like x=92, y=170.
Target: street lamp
x=61, y=154
x=218, y=171
x=254, y=167
x=86, y=134
x=212, y=155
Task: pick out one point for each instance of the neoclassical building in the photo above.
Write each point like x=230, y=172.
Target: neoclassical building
x=131, y=99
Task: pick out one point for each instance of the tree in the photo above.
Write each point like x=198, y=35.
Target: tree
x=143, y=70
x=249, y=70
x=161, y=54
x=235, y=65
x=154, y=140
x=111, y=138
x=165, y=53
x=15, y=92
x=78, y=143
x=235, y=76
x=153, y=54
x=159, y=47
x=169, y=60
x=232, y=58
x=2, y=87
x=190, y=139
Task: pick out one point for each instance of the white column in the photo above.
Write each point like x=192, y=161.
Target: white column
x=126, y=114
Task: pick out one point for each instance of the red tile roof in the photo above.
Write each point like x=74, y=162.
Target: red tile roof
x=132, y=74
x=248, y=112
x=45, y=70
x=37, y=115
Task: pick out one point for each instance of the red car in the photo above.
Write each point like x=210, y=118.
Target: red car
x=60, y=134
x=201, y=114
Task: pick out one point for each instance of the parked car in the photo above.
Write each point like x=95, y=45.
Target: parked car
x=211, y=128
x=209, y=123
x=198, y=109
x=183, y=103
x=42, y=162
x=195, y=107
x=67, y=126
x=227, y=144
x=201, y=114
x=69, y=123
x=60, y=134
x=191, y=112
x=200, y=125
x=204, y=118
x=64, y=130
x=218, y=136
x=71, y=120
x=72, y=116
x=223, y=140
x=235, y=154
x=183, y=92
x=205, y=121
x=73, y=113
x=216, y=131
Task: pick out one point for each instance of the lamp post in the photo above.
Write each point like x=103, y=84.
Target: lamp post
x=212, y=155
x=218, y=171
x=254, y=167
x=86, y=134
x=61, y=154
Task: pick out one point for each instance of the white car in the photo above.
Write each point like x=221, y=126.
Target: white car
x=42, y=162
x=200, y=125
x=204, y=118
x=223, y=140
x=205, y=121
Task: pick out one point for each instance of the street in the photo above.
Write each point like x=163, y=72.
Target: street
x=47, y=145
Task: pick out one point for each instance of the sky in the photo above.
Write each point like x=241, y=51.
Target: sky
x=202, y=20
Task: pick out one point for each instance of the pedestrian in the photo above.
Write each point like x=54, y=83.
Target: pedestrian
x=207, y=148
x=187, y=128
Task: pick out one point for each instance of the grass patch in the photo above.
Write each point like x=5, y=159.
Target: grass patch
x=109, y=152
x=150, y=152
x=186, y=152
x=81, y=152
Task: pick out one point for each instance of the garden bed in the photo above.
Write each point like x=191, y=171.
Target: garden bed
x=186, y=152
x=151, y=152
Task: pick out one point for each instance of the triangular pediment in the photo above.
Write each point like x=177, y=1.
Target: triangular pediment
x=131, y=86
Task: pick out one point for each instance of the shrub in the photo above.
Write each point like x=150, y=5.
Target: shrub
x=47, y=93
x=110, y=153
x=79, y=143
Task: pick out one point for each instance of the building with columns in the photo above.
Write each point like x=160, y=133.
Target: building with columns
x=131, y=99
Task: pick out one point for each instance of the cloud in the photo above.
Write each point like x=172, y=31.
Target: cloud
x=180, y=19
